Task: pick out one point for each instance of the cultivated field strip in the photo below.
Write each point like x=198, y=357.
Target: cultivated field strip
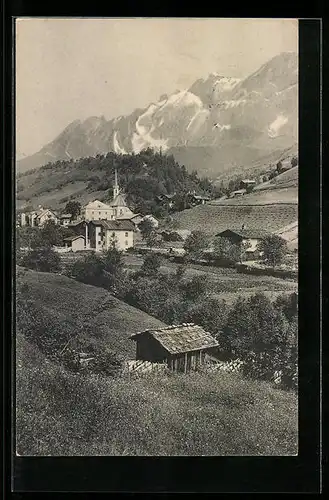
x=215, y=218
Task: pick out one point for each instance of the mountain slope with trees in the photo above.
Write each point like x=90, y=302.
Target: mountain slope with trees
x=142, y=177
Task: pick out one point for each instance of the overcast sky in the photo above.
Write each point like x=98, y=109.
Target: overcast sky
x=68, y=69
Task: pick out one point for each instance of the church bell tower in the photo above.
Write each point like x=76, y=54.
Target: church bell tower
x=116, y=189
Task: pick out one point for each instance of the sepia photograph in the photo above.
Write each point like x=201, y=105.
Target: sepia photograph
x=156, y=237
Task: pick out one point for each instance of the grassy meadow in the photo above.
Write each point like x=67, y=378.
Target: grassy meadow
x=61, y=413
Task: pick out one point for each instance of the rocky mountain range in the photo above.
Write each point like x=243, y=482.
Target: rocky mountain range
x=214, y=126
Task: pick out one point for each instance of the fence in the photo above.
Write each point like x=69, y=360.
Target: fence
x=256, y=371
x=233, y=366
x=140, y=367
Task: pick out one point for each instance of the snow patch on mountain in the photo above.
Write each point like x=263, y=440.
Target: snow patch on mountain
x=276, y=125
x=234, y=103
x=198, y=119
x=226, y=83
x=184, y=98
x=116, y=146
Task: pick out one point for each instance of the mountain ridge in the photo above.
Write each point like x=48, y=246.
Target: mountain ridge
x=222, y=114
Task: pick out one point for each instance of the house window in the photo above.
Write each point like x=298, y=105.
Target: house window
x=92, y=213
x=99, y=242
x=126, y=235
x=113, y=235
x=111, y=216
x=126, y=243
x=121, y=212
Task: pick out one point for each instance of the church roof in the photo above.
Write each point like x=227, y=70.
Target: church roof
x=119, y=201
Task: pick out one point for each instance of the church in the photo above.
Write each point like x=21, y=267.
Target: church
x=117, y=208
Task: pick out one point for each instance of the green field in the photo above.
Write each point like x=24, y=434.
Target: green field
x=60, y=413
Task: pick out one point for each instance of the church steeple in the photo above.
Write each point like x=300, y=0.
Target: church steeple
x=116, y=188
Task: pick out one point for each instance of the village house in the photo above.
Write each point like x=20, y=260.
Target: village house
x=106, y=234
x=75, y=243
x=134, y=218
x=65, y=219
x=80, y=228
x=196, y=199
x=38, y=218
x=247, y=183
x=283, y=165
x=249, y=238
x=181, y=347
x=166, y=200
x=238, y=193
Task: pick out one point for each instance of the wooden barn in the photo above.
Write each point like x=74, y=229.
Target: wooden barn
x=181, y=347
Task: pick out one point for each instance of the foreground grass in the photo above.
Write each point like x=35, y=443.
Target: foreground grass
x=60, y=413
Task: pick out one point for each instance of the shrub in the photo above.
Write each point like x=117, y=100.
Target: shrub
x=226, y=251
x=151, y=265
x=274, y=248
x=294, y=161
x=195, y=244
x=42, y=259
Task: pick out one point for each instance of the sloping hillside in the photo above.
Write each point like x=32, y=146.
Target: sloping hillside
x=290, y=234
x=276, y=195
x=288, y=179
x=62, y=299
x=214, y=218
x=213, y=414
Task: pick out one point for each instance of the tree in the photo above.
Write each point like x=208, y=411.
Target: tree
x=210, y=314
x=195, y=244
x=151, y=265
x=42, y=259
x=195, y=288
x=294, y=161
x=225, y=250
x=51, y=234
x=288, y=304
x=146, y=228
x=89, y=269
x=273, y=248
x=256, y=332
x=279, y=166
x=73, y=208
x=113, y=269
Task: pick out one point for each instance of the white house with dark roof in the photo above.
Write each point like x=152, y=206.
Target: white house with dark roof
x=250, y=238
x=117, y=208
x=106, y=234
x=38, y=217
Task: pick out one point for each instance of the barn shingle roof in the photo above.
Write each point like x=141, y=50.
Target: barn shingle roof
x=181, y=338
x=246, y=233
